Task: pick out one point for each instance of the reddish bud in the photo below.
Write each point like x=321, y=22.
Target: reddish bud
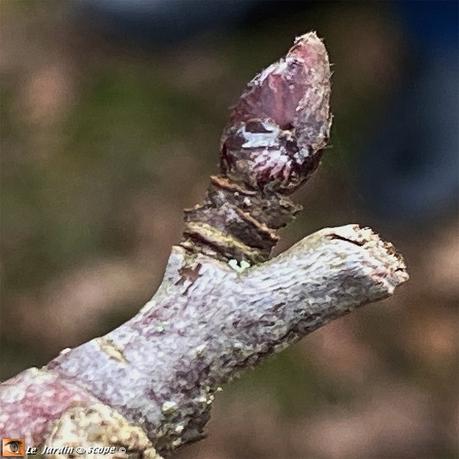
x=281, y=122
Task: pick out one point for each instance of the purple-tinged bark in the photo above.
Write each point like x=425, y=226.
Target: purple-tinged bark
x=148, y=385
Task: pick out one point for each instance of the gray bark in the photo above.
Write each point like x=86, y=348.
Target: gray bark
x=148, y=385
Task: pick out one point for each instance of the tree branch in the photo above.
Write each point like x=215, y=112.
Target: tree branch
x=148, y=385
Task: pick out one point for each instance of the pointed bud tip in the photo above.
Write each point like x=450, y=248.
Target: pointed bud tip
x=281, y=121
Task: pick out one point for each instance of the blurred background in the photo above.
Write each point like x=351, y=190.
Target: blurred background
x=111, y=112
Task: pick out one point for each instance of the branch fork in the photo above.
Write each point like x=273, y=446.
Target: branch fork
x=223, y=305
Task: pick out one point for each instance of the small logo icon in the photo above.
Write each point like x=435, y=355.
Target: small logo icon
x=13, y=447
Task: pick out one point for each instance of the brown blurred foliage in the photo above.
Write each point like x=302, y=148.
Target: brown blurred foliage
x=104, y=143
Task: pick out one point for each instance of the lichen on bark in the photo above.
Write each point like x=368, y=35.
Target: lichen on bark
x=222, y=306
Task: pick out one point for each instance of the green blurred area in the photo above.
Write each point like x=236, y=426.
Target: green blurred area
x=103, y=144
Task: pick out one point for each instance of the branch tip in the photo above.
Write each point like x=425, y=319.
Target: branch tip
x=377, y=248
x=271, y=145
